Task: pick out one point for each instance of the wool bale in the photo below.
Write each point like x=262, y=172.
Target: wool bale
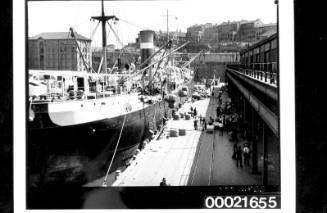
x=176, y=117
x=182, y=132
x=173, y=133
x=171, y=105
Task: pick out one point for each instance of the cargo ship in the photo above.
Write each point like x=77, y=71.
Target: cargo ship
x=84, y=125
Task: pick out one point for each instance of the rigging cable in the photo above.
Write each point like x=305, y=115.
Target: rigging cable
x=112, y=159
x=115, y=34
x=130, y=56
x=135, y=25
x=94, y=30
x=86, y=64
x=121, y=43
x=158, y=67
x=143, y=69
x=113, y=156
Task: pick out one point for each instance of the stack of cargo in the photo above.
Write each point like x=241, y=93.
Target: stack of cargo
x=173, y=133
x=171, y=105
x=182, y=132
x=175, y=116
x=171, y=100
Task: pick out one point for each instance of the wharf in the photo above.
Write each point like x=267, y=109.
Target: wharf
x=171, y=157
x=198, y=158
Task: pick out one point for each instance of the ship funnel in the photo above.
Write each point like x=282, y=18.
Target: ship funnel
x=146, y=46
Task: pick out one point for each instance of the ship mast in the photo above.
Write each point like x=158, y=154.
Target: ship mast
x=103, y=19
x=168, y=47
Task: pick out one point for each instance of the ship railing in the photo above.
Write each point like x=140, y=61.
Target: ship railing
x=265, y=72
x=76, y=96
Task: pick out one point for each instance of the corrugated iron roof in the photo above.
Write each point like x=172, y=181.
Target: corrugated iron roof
x=58, y=36
x=268, y=33
x=260, y=42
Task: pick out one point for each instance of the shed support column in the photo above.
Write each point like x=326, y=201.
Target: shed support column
x=244, y=120
x=254, y=145
x=265, y=156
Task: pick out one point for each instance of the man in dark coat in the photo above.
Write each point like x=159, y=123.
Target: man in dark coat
x=195, y=112
x=163, y=182
x=211, y=121
x=218, y=111
x=204, y=124
x=246, y=154
x=239, y=157
x=195, y=123
x=234, y=151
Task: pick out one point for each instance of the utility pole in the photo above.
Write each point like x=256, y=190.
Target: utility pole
x=265, y=155
x=167, y=20
x=167, y=27
x=277, y=74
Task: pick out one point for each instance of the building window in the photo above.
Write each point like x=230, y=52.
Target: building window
x=41, y=48
x=41, y=61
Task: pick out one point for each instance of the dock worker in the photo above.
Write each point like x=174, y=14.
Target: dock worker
x=195, y=112
x=234, y=151
x=218, y=111
x=239, y=156
x=195, y=122
x=210, y=121
x=163, y=182
x=246, y=154
x=192, y=112
x=223, y=121
x=220, y=127
x=204, y=124
x=234, y=134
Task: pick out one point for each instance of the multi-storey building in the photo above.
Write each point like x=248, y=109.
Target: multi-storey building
x=210, y=34
x=59, y=51
x=177, y=37
x=248, y=31
x=236, y=31
x=227, y=31
x=227, y=36
x=266, y=31
x=194, y=33
x=117, y=59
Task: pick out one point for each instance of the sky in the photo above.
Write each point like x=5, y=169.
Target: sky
x=59, y=16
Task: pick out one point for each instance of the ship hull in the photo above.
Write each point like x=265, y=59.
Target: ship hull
x=79, y=154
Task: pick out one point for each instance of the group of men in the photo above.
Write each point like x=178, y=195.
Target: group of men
x=241, y=155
